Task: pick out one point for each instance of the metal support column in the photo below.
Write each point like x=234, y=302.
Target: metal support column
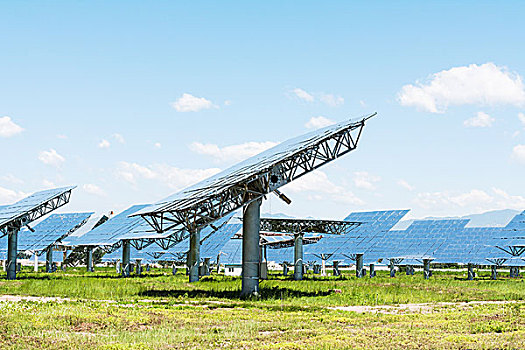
x=493, y=272
x=126, y=258
x=89, y=259
x=470, y=272
x=359, y=265
x=372, y=271
x=251, y=222
x=49, y=260
x=12, y=251
x=336, y=268
x=323, y=266
x=426, y=269
x=35, y=267
x=392, y=269
x=139, y=266
x=285, y=269
x=205, y=268
x=218, y=263
x=298, y=257
x=194, y=258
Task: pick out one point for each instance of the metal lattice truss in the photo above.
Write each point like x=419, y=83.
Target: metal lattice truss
x=286, y=241
x=300, y=226
x=35, y=212
x=513, y=250
x=254, y=178
x=497, y=261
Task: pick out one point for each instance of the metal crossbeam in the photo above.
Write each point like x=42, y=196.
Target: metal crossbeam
x=298, y=226
x=288, y=242
x=202, y=205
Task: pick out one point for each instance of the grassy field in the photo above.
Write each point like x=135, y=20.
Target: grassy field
x=158, y=310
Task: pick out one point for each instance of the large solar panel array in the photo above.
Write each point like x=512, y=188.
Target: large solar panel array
x=361, y=240
x=442, y=241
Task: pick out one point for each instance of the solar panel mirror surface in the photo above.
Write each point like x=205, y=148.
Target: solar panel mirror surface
x=32, y=207
x=50, y=231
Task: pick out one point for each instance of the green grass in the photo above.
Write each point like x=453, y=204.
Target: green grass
x=159, y=310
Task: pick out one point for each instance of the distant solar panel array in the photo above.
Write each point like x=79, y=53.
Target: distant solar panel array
x=442, y=241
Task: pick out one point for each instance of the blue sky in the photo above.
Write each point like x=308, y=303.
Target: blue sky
x=132, y=101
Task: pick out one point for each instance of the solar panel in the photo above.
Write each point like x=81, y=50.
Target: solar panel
x=33, y=207
x=258, y=175
x=110, y=232
x=362, y=239
x=50, y=231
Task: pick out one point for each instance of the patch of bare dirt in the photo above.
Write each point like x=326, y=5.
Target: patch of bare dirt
x=415, y=308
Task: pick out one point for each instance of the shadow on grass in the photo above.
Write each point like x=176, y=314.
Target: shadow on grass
x=266, y=293
x=60, y=276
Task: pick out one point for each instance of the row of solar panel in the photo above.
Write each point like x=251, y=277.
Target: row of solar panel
x=447, y=241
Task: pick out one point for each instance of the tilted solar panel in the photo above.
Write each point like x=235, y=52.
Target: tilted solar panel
x=33, y=207
x=50, y=231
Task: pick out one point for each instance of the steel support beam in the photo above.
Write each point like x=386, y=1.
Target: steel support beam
x=359, y=265
x=35, y=267
x=194, y=257
x=251, y=223
x=89, y=259
x=285, y=269
x=126, y=258
x=470, y=272
x=139, y=267
x=426, y=269
x=12, y=251
x=336, y=268
x=372, y=271
x=392, y=269
x=298, y=257
x=494, y=272
x=49, y=260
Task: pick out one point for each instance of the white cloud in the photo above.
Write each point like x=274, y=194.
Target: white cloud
x=405, y=185
x=521, y=117
x=318, y=122
x=157, y=145
x=51, y=157
x=317, y=185
x=365, y=180
x=518, y=153
x=94, y=190
x=231, y=153
x=174, y=178
x=332, y=100
x=8, y=128
x=362, y=103
x=303, y=95
x=485, y=84
x=48, y=184
x=119, y=138
x=481, y=120
x=8, y=196
x=227, y=103
x=504, y=200
x=62, y=137
x=104, y=144
x=12, y=179
x=475, y=198
x=329, y=99
x=190, y=103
